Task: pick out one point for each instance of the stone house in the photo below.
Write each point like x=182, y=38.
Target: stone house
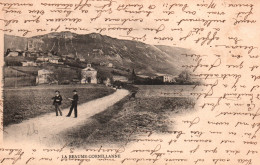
x=88, y=75
x=120, y=78
x=44, y=77
x=29, y=63
x=110, y=65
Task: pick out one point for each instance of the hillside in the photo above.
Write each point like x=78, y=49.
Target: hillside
x=145, y=59
x=14, y=43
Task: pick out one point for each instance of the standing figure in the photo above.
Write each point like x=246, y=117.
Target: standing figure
x=57, y=102
x=74, y=104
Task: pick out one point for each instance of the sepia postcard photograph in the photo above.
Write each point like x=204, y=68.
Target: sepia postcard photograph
x=130, y=82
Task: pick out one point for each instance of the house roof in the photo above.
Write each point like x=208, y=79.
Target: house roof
x=29, y=61
x=68, y=55
x=54, y=58
x=143, y=76
x=13, y=54
x=89, y=68
x=45, y=71
x=42, y=57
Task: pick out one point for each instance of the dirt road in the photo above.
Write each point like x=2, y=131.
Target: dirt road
x=44, y=129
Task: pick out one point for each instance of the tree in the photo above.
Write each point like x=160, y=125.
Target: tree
x=184, y=78
x=133, y=76
x=7, y=52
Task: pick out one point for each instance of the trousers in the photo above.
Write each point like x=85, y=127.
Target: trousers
x=73, y=106
x=57, y=108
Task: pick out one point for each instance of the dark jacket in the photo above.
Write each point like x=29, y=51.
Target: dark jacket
x=75, y=99
x=57, y=99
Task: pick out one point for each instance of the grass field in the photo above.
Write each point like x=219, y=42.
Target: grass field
x=130, y=117
x=23, y=75
x=27, y=102
x=19, y=81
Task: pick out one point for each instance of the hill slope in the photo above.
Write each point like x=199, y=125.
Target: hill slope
x=144, y=58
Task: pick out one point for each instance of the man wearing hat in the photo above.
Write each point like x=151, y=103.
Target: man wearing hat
x=74, y=104
x=57, y=102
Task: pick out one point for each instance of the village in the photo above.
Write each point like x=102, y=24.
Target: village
x=32, y=67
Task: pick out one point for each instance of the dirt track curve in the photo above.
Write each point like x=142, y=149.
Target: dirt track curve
x=42, y=129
